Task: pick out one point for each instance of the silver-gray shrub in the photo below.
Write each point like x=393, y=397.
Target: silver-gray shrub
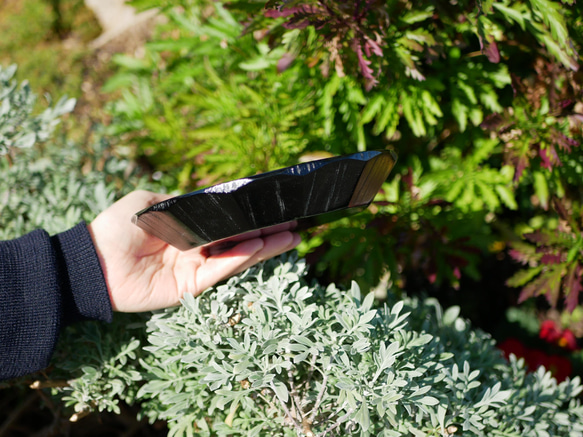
x=266, y=354
x=18, y=127
x=58, y=182
x=53, y=184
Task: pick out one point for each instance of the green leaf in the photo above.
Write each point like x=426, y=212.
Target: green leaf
x=363, y=417
x=552, y=15
x=415, y=15
x=280, y=390
x=488, y=195
x=428, y=400
x=541, y=189
x=129, y=62
x=460, y=112
x=372, y=109
x=256, y=64
x=507, y=196
x=522, y=277
x=451, y=315
x=511, y=13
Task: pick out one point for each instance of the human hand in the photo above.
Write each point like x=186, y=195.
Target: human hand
x=144, y=273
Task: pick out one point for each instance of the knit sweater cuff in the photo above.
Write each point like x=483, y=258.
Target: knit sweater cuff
x=87, y=297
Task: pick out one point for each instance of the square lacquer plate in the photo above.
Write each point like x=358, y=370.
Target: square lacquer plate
x=306, y=194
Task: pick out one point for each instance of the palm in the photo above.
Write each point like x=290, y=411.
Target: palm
x=144, y=273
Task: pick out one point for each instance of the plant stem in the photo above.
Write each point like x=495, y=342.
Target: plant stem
x=295, y=397
x=339, y=422
x=37, y=385
x=318, y=399
x=287, y=412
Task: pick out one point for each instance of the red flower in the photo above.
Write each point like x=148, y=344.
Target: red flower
x=550, y=332
x=560, y=367
x=568, y=340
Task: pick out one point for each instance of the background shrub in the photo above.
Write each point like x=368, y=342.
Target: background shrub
x=481, y=101
x=53, y=185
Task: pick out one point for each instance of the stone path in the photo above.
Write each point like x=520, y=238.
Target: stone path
x=119, y=21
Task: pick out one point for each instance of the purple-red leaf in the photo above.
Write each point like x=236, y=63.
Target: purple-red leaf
x=549, y=157
x=538, y=237
x=545, y=159
x=492, y=53
x=278, y=13
x=372, y=46
x=547, y=284
x=524, y=254
x=561, y=209
x=297, y=23
x=529, y=291
x=363, y=64
x=552, y=258
x=563, y=141
x=285, y=61
x=492, y=121
x=572, y=286
x=522, y=163
x=489, y=48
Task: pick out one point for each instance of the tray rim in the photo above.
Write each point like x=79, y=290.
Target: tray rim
x=230, y=187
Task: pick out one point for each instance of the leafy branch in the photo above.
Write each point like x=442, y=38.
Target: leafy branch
x=555, y=260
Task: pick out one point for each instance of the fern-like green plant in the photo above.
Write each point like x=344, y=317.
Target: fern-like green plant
x=480, y=101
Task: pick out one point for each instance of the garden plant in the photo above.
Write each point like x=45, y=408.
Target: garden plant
x=483, y=103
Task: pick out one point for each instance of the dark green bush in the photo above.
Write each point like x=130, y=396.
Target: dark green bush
x=482, y=102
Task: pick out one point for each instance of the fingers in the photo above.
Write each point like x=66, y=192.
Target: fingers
x=278, y=243
x=288, y=226
x=273, y=245
x=222, y=246
x=243, y=256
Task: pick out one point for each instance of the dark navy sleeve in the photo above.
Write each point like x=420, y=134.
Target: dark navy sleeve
x=46, y=283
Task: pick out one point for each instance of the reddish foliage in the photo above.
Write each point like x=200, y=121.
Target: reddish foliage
x=492, y=53
x=358, y=25
x=364, y=65
x=573, y=286
x=552, y=258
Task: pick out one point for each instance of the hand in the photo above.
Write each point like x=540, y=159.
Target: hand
x=144, y=273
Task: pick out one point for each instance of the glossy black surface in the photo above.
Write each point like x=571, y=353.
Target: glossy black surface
x=312, y=193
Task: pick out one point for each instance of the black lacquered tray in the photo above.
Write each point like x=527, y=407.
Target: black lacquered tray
x=310, y=194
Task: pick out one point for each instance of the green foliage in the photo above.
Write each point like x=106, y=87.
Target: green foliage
x=107, y=360
x=54, y=187
x=481, y=101
x=268, y=354
x=554, y=260
x=18, y=127
x=216, y=112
